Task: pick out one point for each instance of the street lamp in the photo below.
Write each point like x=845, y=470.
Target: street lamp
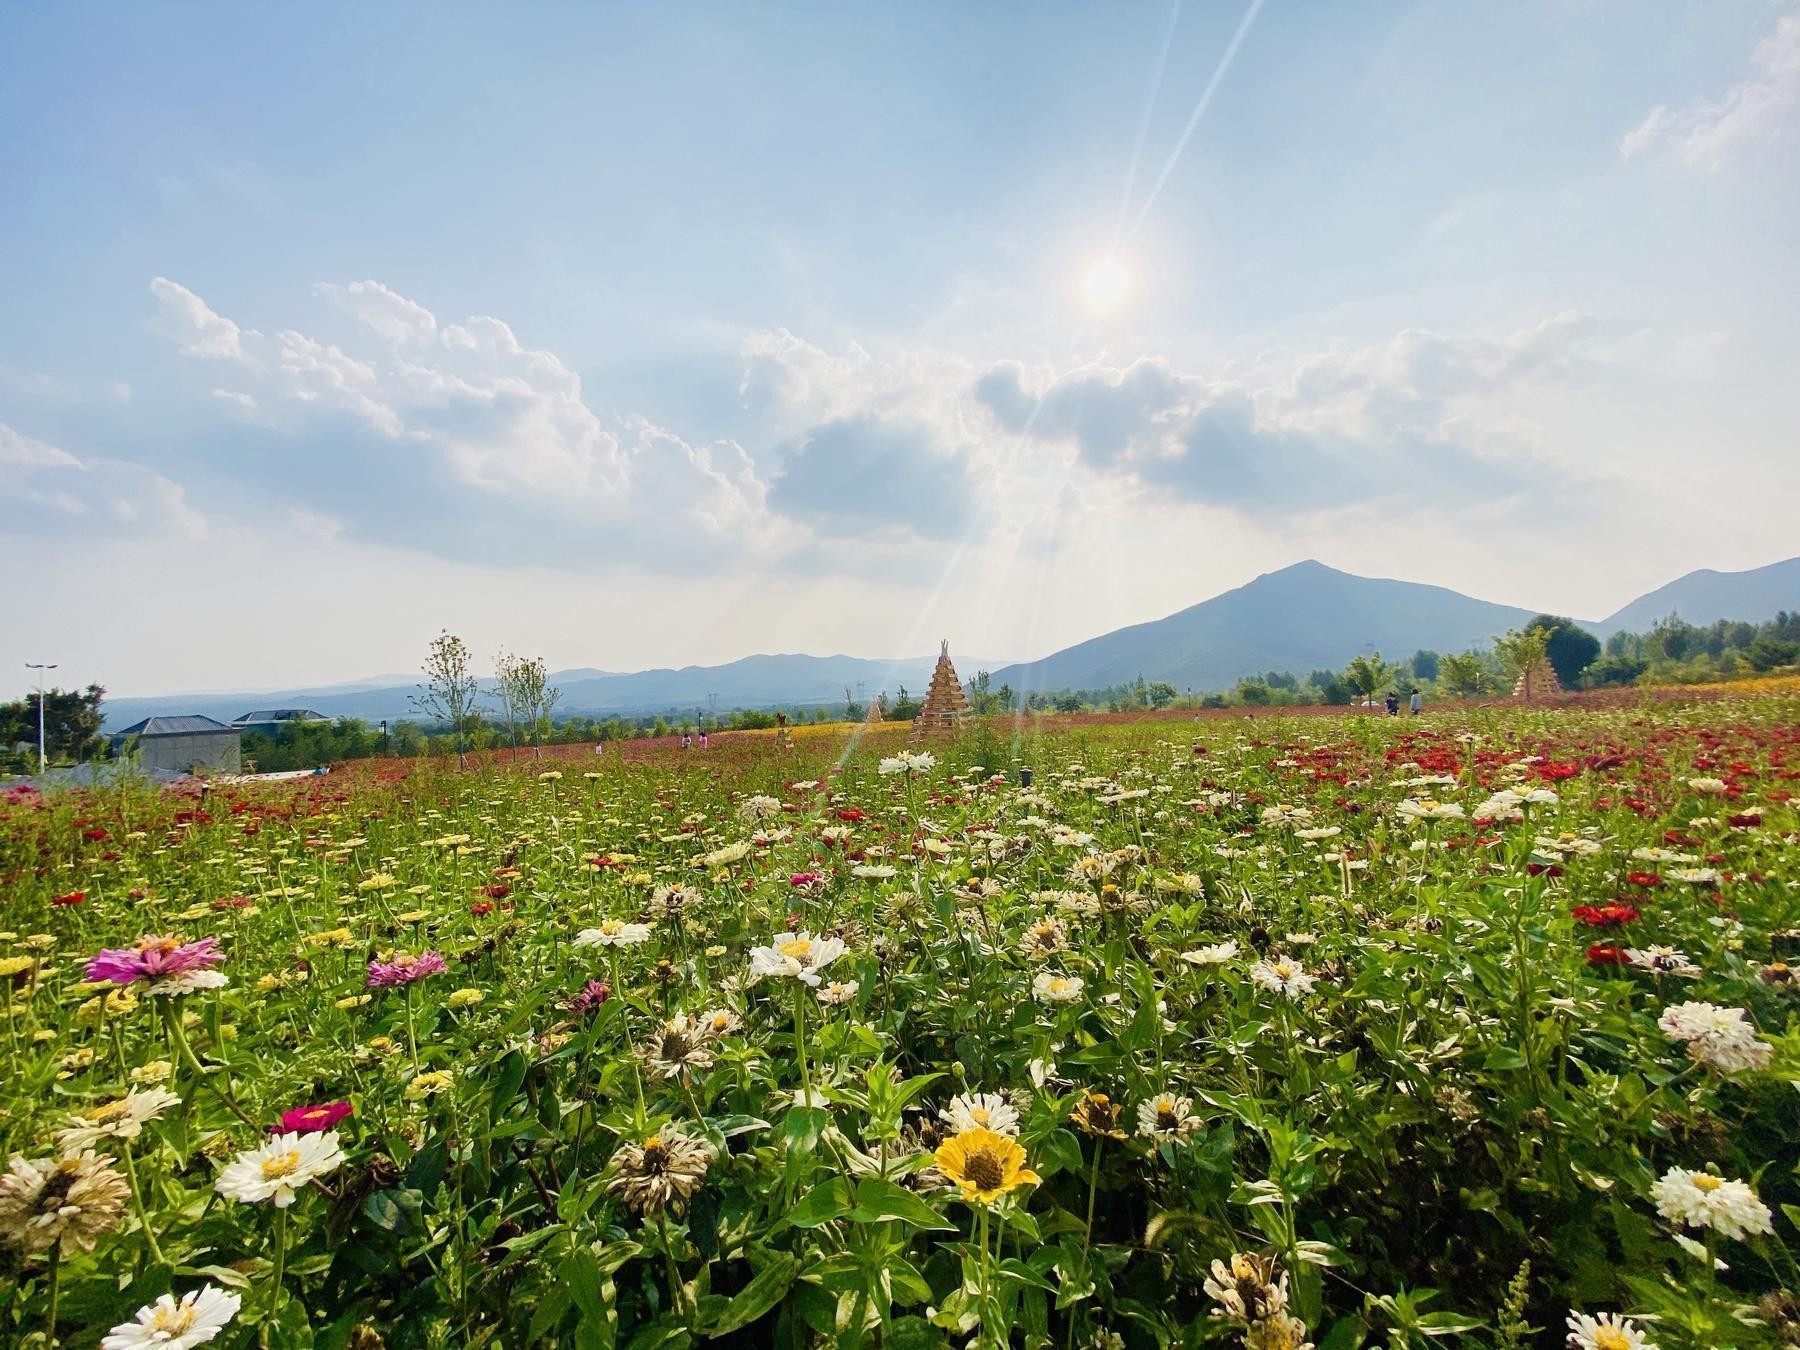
x=40, y=667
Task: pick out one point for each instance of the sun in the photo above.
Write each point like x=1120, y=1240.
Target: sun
x=1105, y=282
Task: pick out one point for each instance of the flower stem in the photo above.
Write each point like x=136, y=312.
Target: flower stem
x=800, y=1042
x=280, y=1262
x=137, y=1200
x=1087, y=1236
x=55, y=1291
x=178, y=1039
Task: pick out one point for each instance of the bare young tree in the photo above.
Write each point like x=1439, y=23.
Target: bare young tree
x=512, y=693
x=537, y=697
x=450, y=689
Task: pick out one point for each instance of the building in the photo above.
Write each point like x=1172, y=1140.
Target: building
x=271, y=720
x=182, y=745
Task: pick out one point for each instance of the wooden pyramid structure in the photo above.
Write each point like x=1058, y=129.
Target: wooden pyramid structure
x=874, y=714
x=1538, y=680
x=945, y=703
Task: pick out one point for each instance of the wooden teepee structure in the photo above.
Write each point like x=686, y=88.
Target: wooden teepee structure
x=1537, y=680
x=874, y=714
x=945, y=703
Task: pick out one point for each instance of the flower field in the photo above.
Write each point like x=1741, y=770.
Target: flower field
x=1335, y=1031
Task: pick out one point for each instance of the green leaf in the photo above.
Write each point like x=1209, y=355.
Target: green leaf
x=878, y=1200
x=822, y=1204
x=506, y=1083
x=756, y=1298
x=912, y=1333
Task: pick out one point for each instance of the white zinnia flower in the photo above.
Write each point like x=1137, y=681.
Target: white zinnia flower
x=1426, y=809
x=1216, y=955
x=1282, y=977
x=1608, y=1331
x=1717, y=1037
x=795, y=956
x=838, y=992
x=1166, y=1114
x=123, y=1119
x=613, y=933
x=199, y=1316
x=1702, y=1200
x=981, y=1111
x=1049, y=987
x=759, y=807
x=278, y=1169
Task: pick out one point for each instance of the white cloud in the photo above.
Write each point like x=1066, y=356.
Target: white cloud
x=1759, y=108
x=66, y=492
x=186, y=319
x=390, y=314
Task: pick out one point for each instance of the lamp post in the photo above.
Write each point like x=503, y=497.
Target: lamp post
x=40, y=667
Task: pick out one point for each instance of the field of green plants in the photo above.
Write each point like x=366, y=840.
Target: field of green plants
x=1464, y=1030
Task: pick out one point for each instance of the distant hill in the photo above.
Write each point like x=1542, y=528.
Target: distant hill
x=753, y=682
x=1305, y=617
x=1707, y=596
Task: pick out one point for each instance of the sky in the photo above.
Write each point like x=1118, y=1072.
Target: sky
x=634, y=336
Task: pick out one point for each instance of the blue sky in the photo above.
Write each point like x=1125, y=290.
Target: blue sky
x=651, y=335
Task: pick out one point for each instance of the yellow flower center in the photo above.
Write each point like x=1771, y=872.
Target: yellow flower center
x=1058, y=985
x=797, y=949
x=280, y=1165
x=978, y=1114
x=1707, y=1183
x=112, y=1111
x=1611, y=1338
x=176, y=1320
x=984, y=1172
x=1282, y=970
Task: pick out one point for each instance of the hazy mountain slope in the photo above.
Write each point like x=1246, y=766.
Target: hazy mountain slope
x=1301, y=618
x=1706, y=596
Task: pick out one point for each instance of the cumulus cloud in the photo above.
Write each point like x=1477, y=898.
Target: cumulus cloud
x=68, y=494
x=191, y=323
x=860, y=475
x=1762, y=107
x=1295, y=433
x=468, y=401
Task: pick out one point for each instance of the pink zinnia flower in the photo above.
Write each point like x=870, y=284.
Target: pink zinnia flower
x=158, y=960
x=404, y=969
x=588, y=1001
x=311, y=1119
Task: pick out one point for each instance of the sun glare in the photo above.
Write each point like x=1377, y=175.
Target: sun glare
x=1105, y=282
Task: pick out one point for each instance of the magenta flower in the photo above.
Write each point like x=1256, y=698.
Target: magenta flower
x=165, y=962
x=404, y=969
x=588, y=1001
x=311, y=1119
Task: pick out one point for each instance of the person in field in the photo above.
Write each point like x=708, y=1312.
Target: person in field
x=1392, y=704
x=1416, y=704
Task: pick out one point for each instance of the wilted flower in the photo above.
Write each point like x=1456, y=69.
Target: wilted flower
x=680, y=1046
x=1166, y=1116
x=1719, y=1038
x=1098, y=1115
x=71, y=1200
x=169, y=1324
x=661, y=1173
x=759, y=807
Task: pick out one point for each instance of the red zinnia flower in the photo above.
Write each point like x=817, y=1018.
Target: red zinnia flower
x=1606, y=954
x=481, y=907
x=72, y=898
x=1648, y=880
x=1609, y=915
x=311, y=1119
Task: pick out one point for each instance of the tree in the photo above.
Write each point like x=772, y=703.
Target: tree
x=450, y=689
x=1255, y=692
x=1160, y=693
x=71, y=723
x=1572, y=649
x=1521, y=653
x=537, y=697
x=1368, y=673
x=1425, y=664
x=509, y=693
x=1461, y=673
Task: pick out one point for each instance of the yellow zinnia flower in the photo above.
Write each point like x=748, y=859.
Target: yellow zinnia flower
x=984, y=1165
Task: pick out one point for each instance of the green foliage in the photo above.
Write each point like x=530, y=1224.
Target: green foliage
x=1571, y=649
x=71, y=727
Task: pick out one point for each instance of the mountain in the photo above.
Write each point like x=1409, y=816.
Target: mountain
x=753, y=682
x=1707, y=596
x=1305, y=617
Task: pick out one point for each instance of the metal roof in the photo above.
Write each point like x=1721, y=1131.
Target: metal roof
x=281, y=715
x=175, y=726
